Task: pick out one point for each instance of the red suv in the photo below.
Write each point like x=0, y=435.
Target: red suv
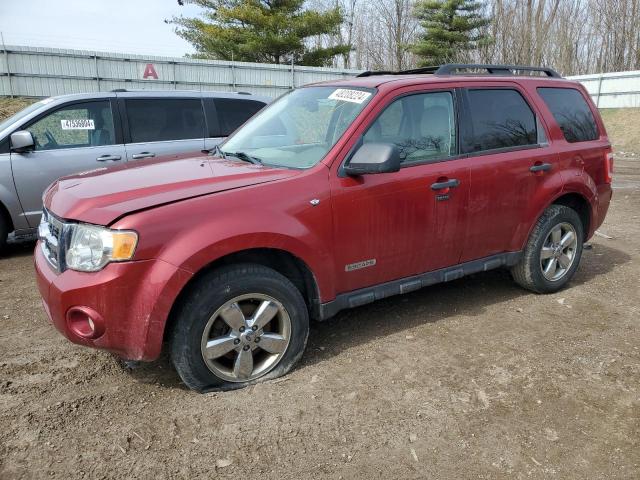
x=334, y=196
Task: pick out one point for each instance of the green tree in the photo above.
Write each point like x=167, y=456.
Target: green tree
x=451, y=28
x=271, y=31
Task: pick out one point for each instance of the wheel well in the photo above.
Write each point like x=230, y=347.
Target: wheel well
x=580, y=204
x=4, y=213
x=281, y=261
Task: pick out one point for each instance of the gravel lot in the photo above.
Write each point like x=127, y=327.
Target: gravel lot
x=471, y=379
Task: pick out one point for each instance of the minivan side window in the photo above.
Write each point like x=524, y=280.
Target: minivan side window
x=163, y=119
x=87, y=124
x=500, y=118
x=572, y=113
x=234, y=112
x=422, y=126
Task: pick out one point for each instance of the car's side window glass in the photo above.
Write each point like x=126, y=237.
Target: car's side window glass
x=572, y=113
x=163, y=119
x=234, y=112
x=88, y=124
x=422, y=126
x=500, y=118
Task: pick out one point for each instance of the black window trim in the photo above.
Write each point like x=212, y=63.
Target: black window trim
x=125, y=119
x=455, y=94
x=117, y=126
x=466, y=122
x=587, y=103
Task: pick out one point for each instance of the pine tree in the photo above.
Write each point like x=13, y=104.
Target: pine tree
x=276, y=31
x=451, y=28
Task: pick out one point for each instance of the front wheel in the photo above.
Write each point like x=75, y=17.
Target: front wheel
x=553, y=251
x=239, y=325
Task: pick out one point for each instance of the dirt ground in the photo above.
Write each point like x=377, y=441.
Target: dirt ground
x=471, y=379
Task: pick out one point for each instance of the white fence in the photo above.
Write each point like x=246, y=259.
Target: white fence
x=613, y=90
x=43, y=72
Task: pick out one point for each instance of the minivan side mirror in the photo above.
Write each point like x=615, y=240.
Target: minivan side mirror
x=22, y=141
x=374, y=158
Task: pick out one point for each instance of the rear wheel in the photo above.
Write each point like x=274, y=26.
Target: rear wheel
x=239, y=325
x=553, y=251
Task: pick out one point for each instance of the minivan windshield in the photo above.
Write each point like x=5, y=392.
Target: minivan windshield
x=22, y=113
x=299, y=129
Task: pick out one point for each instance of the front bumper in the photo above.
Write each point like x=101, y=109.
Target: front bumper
x=133, y=298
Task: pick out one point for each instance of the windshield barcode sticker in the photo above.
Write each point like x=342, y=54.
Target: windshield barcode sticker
x=79, y=124
x=346, y=95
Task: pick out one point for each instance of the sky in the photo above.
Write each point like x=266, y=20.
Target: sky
x=126, y=26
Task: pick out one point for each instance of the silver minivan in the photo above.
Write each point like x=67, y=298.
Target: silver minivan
x=72, y=133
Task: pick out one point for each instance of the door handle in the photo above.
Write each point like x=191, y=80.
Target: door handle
x=137, y=156
x=108, y=158
x=446, y=184
x=540, y=167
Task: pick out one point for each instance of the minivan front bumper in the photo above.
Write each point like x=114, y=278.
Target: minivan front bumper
x=130, y=301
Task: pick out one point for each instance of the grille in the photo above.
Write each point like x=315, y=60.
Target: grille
x=51, y=234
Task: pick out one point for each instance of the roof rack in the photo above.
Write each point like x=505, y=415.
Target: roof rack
x=453, y=68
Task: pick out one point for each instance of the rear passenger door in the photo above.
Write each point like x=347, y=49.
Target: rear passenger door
x=225, y=115
x=155, y=127
x=510, y=162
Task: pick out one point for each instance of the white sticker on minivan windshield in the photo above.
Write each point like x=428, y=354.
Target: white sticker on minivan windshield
x=78, y=124
x=346, y=95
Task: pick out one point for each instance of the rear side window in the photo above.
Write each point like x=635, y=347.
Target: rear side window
x=160, y=119
x=572, y=113
x=234, y=112
x=500, y=118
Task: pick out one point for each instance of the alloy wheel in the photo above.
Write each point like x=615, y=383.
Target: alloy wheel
x=246, y=337
x=558, y=251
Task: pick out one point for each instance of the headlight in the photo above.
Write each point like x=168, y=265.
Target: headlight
x=92, y=247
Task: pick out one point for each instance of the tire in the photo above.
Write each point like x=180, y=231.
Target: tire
x=535, y=270
x=210, y=321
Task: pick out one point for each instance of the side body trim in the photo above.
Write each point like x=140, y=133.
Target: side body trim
x=366, y=295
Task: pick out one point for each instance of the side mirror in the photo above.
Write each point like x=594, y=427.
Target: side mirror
x=374, y=158
x=22, y=141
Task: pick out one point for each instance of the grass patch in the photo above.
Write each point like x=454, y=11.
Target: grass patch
x=9, y=106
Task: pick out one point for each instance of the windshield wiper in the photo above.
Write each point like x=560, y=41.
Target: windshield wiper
x=218, y=151
x=244, y=157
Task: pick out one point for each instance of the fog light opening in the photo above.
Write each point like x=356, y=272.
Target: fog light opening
x=85, y=322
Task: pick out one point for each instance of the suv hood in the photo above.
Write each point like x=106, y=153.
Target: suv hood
x=103, y=195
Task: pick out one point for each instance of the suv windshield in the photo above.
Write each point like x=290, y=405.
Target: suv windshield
x=300, y=128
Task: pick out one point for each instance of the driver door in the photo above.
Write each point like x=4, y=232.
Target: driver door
x=394, y=225
x=73, y=138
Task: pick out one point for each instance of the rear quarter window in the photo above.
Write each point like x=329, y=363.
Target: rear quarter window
x=571, y=112
x=234, y=112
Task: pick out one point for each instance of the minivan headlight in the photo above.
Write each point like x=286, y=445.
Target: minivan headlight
x=92, y=247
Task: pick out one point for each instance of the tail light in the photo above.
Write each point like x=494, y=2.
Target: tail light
x=608, y=167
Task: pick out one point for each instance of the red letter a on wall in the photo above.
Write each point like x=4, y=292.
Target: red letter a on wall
x=150, y=72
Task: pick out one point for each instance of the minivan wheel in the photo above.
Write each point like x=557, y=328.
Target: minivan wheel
x=238, y=325
x=553, y=251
